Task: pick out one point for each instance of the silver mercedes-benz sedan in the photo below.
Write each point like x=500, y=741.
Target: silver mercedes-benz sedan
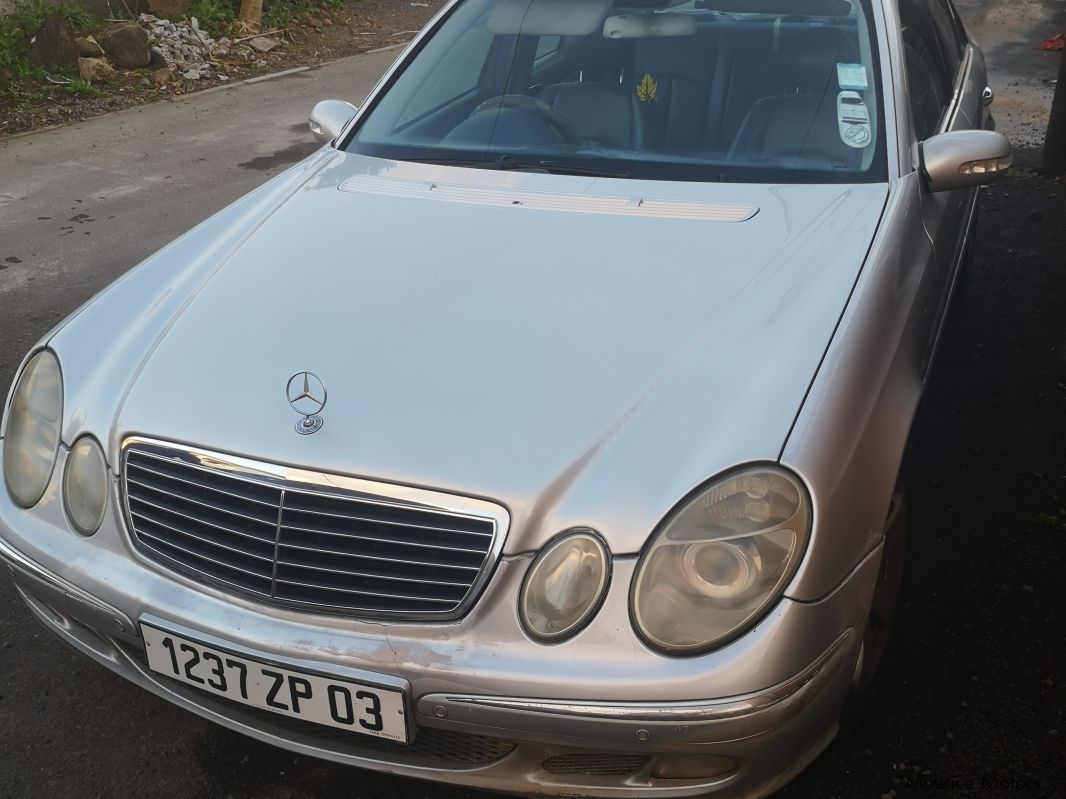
x=541, y=432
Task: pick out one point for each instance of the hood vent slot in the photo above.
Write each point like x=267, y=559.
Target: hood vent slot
x=495, y=197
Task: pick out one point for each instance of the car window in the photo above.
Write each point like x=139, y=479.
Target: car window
x=457, y=73
x=930, y=74
x=949, y=29
x=547, y=45
x=766, y=90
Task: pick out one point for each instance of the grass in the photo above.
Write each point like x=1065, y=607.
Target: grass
x=82, y=87
x=280, y=13
x=23, y=97
x=214, y=16
x=217, y=16
x=1056, y=521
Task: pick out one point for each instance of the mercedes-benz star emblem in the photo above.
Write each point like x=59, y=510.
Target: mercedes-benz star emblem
x=307, y=395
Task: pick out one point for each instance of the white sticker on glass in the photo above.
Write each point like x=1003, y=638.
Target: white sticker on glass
x=852, y=76
x=853, y=119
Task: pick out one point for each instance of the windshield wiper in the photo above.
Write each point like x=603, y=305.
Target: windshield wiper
x=509, y=162
x=556, y=168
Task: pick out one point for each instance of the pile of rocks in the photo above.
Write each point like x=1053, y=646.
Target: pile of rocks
x=183, y=48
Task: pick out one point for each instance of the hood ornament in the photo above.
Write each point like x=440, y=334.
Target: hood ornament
x=306, y=394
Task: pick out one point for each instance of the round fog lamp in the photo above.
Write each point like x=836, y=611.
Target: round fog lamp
x=564, y=586
x=85, y=486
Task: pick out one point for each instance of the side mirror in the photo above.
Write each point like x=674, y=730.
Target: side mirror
x=328, y=119
x=960, y=159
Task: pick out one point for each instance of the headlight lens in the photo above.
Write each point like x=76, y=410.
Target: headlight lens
x=31, y=439
x=85, y=486
x=564, y=586
x=721, y=560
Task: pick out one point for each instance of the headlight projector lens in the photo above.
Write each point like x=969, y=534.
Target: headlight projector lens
x=721, y=560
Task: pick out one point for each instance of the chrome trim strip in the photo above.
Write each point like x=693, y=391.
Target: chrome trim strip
x=306, y=481
x=670, y=712
x=951, y=112
x=277, y=546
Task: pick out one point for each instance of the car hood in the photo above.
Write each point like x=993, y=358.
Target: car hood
x=583, y=351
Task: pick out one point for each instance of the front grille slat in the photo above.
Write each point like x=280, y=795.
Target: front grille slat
x=224, y=573
x=200, y=486
x=147, y=518
x=385, y=515
x=227, y=521
x=382, y=558
x=181, y=497
x=369, y=519
x=377, y=539
x=208, y=474
x=319, y=586
x=369, y=575
x=187, y=518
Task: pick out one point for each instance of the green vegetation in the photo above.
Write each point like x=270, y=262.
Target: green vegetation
x=1056, y=521
x=82, y=87
x=24, y=97
x=217, y=17
x=214, y=16
x=279, y=13
x=18, y=27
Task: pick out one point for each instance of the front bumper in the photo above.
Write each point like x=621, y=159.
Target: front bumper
x=485, y=700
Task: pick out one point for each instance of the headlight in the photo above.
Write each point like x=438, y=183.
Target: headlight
x=31, y=439
x=564, y=586
x=721, y=560
x=85, y=485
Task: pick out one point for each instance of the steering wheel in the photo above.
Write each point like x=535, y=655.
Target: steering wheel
x=532, y=107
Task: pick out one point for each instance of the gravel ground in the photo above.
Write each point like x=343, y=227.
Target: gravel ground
x=360, y=26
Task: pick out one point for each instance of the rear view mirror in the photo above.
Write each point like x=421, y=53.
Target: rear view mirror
x=329, y=117
x=963, y=158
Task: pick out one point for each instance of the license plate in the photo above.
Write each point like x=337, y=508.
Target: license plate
x=366, y=709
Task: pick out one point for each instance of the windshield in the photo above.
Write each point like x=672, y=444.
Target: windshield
x=782, y=91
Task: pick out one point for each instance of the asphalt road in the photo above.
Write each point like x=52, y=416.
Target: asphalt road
x=81, y=204
x=976, y=677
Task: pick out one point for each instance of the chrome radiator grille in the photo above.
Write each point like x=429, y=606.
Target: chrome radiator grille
x=295, y=537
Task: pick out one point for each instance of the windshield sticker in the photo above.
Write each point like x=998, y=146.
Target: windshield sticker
x=647, y=89
x=853, y=119
x=852, y=76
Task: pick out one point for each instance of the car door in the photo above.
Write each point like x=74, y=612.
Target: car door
x=945, y=80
